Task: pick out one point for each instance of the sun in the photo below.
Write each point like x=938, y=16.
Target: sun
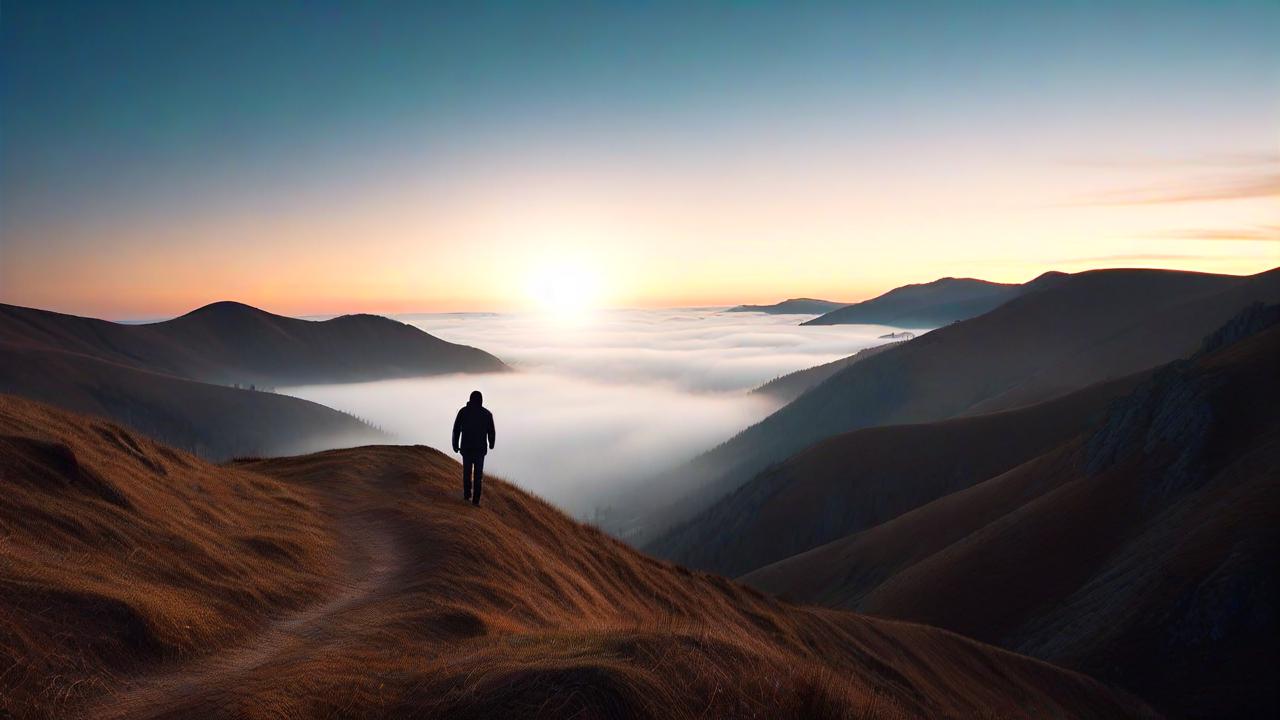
x=564, y=290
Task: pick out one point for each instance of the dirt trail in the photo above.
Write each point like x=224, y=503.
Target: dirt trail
x=373, y=562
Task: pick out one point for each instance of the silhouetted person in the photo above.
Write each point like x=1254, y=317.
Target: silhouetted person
x=473, y=436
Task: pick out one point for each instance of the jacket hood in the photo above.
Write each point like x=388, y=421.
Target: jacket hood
x=476, y=398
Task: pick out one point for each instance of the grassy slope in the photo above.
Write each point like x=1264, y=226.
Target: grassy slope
x=441, y=610
x=117, y=552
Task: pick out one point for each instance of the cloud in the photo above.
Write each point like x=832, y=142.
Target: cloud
x=599, y=406
x=1259, y=233
x=1240, y=187
x=1246, y=159
x=1238, y=176
x=1136, y=257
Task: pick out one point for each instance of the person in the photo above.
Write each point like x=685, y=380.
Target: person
x=472, y=432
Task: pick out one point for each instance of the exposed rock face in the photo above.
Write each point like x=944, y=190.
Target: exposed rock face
x=1172, y=415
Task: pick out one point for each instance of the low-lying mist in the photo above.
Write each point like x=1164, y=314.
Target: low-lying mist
x=597, y=406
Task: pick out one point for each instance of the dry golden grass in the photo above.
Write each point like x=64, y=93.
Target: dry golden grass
x=423, y=606
x=117, y=552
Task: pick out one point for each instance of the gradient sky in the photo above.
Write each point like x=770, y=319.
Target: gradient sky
x=318, y=157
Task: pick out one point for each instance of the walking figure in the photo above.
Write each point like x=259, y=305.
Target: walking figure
x=473, y=436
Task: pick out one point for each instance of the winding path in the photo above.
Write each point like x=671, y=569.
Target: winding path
x=373, y=561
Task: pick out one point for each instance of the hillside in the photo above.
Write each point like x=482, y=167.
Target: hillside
x=858, y=480
x=793, y=306
x=1141, y=551
x=792, y=385
x=142, y=582
x=230, y=343
x=927, y=305
x=1077, y=331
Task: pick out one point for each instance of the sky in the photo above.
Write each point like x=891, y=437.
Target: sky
x=323, y=157
x=598, y=407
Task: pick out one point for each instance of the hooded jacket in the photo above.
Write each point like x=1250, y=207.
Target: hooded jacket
x=473, y=431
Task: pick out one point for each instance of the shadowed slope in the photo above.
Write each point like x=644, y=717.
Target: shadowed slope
x=792, y=385
x=1141, y=552
x=855, y=481
x=1077, y=331
x=438, y=609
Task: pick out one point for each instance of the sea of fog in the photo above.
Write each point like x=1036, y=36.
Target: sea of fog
x=603, y=402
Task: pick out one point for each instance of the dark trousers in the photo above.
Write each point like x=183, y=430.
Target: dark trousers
x=472, y=460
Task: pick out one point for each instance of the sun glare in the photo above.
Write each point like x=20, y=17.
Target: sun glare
x=566, y=291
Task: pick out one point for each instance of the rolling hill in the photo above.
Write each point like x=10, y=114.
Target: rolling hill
x=1140, y=551
x=1071, y=333
x=230, y=343
x=174, y=380
x=142, y=582
x=793, y=306
x=929, y=305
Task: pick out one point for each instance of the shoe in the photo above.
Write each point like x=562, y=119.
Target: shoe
x=476, y=503
x=466, y=498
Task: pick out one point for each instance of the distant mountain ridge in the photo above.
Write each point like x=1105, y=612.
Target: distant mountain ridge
x=932, y=304
x=792, y=306
x=1068, y=333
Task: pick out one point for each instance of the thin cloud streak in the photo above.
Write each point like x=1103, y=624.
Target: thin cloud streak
x=1136, y=257
x=1261, y=233
x=1206, y=190
x=1219, y=160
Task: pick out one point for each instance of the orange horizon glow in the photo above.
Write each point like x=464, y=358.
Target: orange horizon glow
x=766, y=152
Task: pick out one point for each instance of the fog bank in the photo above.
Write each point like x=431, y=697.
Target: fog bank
x=597, y=406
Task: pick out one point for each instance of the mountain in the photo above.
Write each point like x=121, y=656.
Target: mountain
x=794, y=306
x=231, y=343
x=860, y=479
x=142, y=582
x=792, y=385
x=1071, y=333
x=1141, y=551
x=928, y=305
x=172, y=380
